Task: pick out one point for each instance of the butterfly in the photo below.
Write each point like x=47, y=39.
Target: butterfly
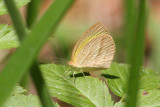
x=94, y=51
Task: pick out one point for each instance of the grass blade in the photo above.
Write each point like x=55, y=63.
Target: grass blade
x=42, y=90
x=40, y=86
x=24, y=56
x=130, y=23
x=32, y=13
x=137, y=53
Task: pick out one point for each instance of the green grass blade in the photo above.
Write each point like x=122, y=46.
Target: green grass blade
x=38, y=78
x=24, y=56
x=19, y=27
x=16, y=19
x=130, y=23
x=40, y=86
x=24, y=81
x=32, y=11
x=137, y=55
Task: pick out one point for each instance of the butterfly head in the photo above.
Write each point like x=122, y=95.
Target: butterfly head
x=70, y=63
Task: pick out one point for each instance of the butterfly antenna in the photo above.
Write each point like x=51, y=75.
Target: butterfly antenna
x=58, y=60
x=83, y=74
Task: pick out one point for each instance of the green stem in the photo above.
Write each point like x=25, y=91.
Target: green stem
x=32, y=13
x=36, y=75
x=40, y=86
x=130, y=23
x=137, y=54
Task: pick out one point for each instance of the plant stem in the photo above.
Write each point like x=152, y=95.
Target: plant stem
x=136, y=55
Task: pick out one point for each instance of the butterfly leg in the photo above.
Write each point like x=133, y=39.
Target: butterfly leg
x=74, y=78
x=67, y=74
x=83, y=74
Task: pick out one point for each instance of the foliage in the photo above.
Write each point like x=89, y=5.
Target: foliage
x=47, y=23
x=89, y=91
x=80, y=92
x=8, y=37
x=19, y=3
x=20, y=99
x=118, y=74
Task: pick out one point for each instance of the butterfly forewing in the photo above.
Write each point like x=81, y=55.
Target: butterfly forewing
x=98, y=52
x=94, y=30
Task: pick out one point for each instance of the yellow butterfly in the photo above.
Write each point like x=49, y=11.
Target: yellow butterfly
x=94, y=51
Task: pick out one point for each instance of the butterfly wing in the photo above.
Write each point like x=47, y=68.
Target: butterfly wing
x=94, y=30
x=94, y=49
x=98, y=52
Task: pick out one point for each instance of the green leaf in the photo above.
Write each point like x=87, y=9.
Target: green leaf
x=19, y=3
x=150, y=82
x=118, y=81
x=80, y=92
x=148, y=72
x=8, y=38
x=118, y=74
x=19, y=90
x=19, y=99
x=119, y=104
x=145, y=99
x=149, y=99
